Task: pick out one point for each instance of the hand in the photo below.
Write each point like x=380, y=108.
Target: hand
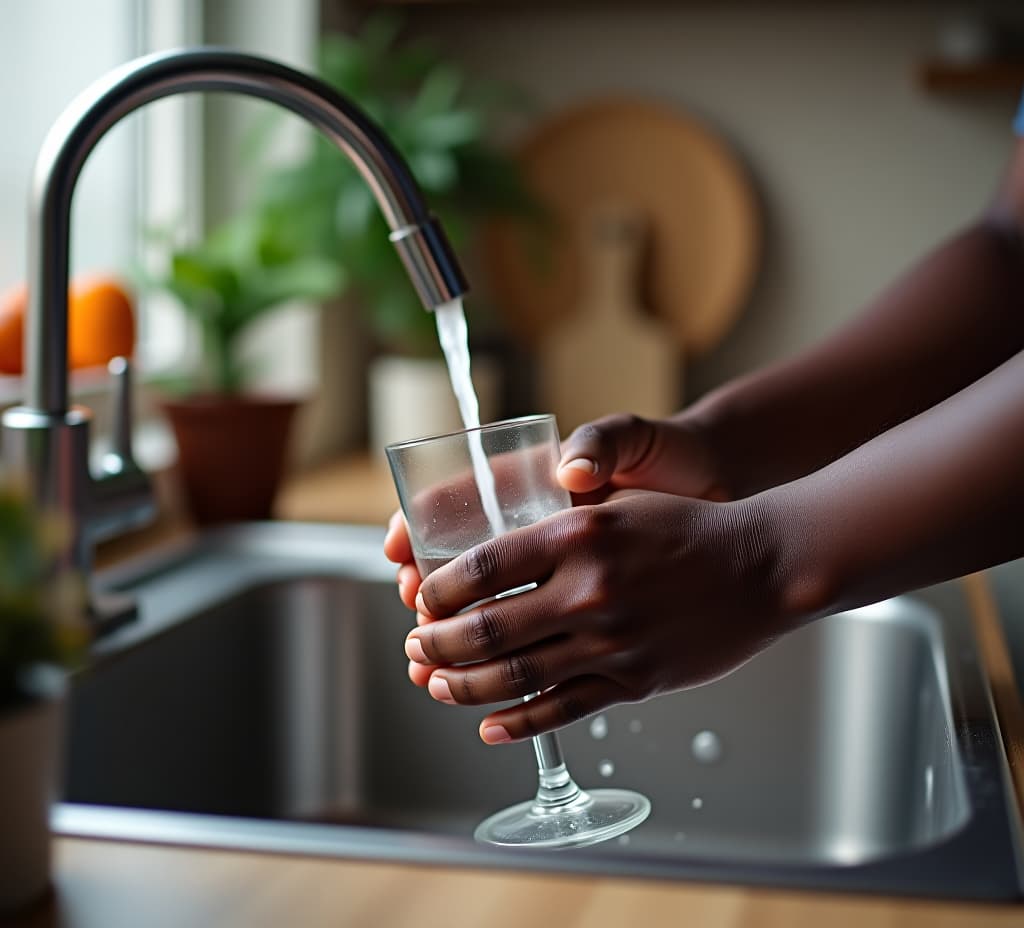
x=625, y=451
x=643, y=594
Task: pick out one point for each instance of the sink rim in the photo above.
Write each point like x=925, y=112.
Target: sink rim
x=980, y=860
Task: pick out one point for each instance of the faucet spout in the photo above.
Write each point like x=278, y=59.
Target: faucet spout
x=48, y=440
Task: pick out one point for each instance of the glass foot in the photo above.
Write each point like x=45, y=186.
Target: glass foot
x=587, y=818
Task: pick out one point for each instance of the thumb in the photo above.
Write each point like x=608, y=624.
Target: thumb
x=598, y=451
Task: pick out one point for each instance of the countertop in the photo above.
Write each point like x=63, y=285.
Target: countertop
x=101, y=884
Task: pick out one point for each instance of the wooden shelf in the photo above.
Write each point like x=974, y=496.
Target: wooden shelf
x=938, y=76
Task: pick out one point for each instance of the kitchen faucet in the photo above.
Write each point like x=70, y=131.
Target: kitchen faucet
x=46, y=440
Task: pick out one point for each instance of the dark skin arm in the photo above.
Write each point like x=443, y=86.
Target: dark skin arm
x=648, y=592
x=948, y=321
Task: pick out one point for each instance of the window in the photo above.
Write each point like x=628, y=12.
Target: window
x=142, y=172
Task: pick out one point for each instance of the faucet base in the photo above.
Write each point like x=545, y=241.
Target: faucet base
x=50, y=451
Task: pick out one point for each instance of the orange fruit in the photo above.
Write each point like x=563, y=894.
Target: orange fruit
x=101, y=324
x=13, y=304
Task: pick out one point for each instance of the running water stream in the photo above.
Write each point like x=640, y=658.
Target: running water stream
x=454, y=336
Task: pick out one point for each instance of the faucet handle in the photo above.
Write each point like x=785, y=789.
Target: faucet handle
x=119, y=458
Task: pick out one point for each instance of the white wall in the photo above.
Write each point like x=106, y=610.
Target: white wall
x=859, y=170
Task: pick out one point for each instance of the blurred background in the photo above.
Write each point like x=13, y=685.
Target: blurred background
x=820, y=148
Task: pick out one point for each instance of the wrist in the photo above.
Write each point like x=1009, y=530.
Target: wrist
x=719, y=420
x=698, y=430
x=785, y=555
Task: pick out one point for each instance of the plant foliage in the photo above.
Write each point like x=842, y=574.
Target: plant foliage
x=41, y=607
x=314, y=230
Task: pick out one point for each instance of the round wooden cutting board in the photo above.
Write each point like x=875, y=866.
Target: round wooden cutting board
x=699, y=206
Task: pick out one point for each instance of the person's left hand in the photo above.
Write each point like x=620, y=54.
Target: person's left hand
x=643, y=594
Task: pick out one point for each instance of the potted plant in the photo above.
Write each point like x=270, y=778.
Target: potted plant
x=232, y=440
x=42, y=630
x=441, y=120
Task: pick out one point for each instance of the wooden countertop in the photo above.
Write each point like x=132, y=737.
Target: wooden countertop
x=101, y=884
x=134, y=886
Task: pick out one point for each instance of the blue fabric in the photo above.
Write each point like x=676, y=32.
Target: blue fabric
x=1018, y=123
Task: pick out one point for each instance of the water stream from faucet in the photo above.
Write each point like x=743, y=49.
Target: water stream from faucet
x=454, y=336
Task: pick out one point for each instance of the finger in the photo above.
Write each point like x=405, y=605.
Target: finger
x=396, y=542
x=408, y=584
x=420, y=673
x=566, y=703
x=526, y=555
x=608, y=447
x=510, y=677
x=492, y=629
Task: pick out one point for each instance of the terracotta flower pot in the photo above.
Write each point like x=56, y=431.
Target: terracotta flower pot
x=30, y=743
x=231, y=454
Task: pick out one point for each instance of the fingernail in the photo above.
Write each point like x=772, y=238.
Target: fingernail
x=584, y=464
x=439, y=689
x=420, y=605
x=414, y=650
x=495, y=734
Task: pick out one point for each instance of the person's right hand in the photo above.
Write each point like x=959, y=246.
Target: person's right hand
x=624, y=451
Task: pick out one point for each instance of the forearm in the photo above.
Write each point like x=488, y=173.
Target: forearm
x=950, y=320
x=939, y=496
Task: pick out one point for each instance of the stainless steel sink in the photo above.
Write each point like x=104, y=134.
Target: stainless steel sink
x=260, y=700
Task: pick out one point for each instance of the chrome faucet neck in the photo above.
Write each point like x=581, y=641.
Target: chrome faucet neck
x=421, y=243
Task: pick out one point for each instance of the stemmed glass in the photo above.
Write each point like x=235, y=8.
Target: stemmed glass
x=457, y=491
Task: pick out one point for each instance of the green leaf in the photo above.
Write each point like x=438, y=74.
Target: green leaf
x=435, y=170
x=412, y=63
x=343, y=63
x=400, y=319
x=204, y=274
x=303, y=279
x=448, y=129
x=439, y=91
x=354, y=208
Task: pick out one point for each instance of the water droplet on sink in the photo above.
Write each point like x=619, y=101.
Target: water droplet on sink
x=624, y=840
x=599, y=728
x=680, y=836
x=697, y=802
x=636, y=726
x=606, y=768
x=706, y=747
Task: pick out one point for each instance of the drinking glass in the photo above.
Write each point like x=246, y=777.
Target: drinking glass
x=457, y=491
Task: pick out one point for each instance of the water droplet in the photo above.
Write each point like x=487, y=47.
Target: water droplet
x=706, y=747
x=680, y=836
x=599, y=728
x=606, y=768
x=697, y=802
x=624, y=840
x=636, y=726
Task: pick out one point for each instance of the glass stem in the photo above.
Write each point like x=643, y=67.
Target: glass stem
x=556, y=787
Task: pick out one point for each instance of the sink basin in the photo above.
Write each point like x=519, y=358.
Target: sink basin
x=260, y=701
